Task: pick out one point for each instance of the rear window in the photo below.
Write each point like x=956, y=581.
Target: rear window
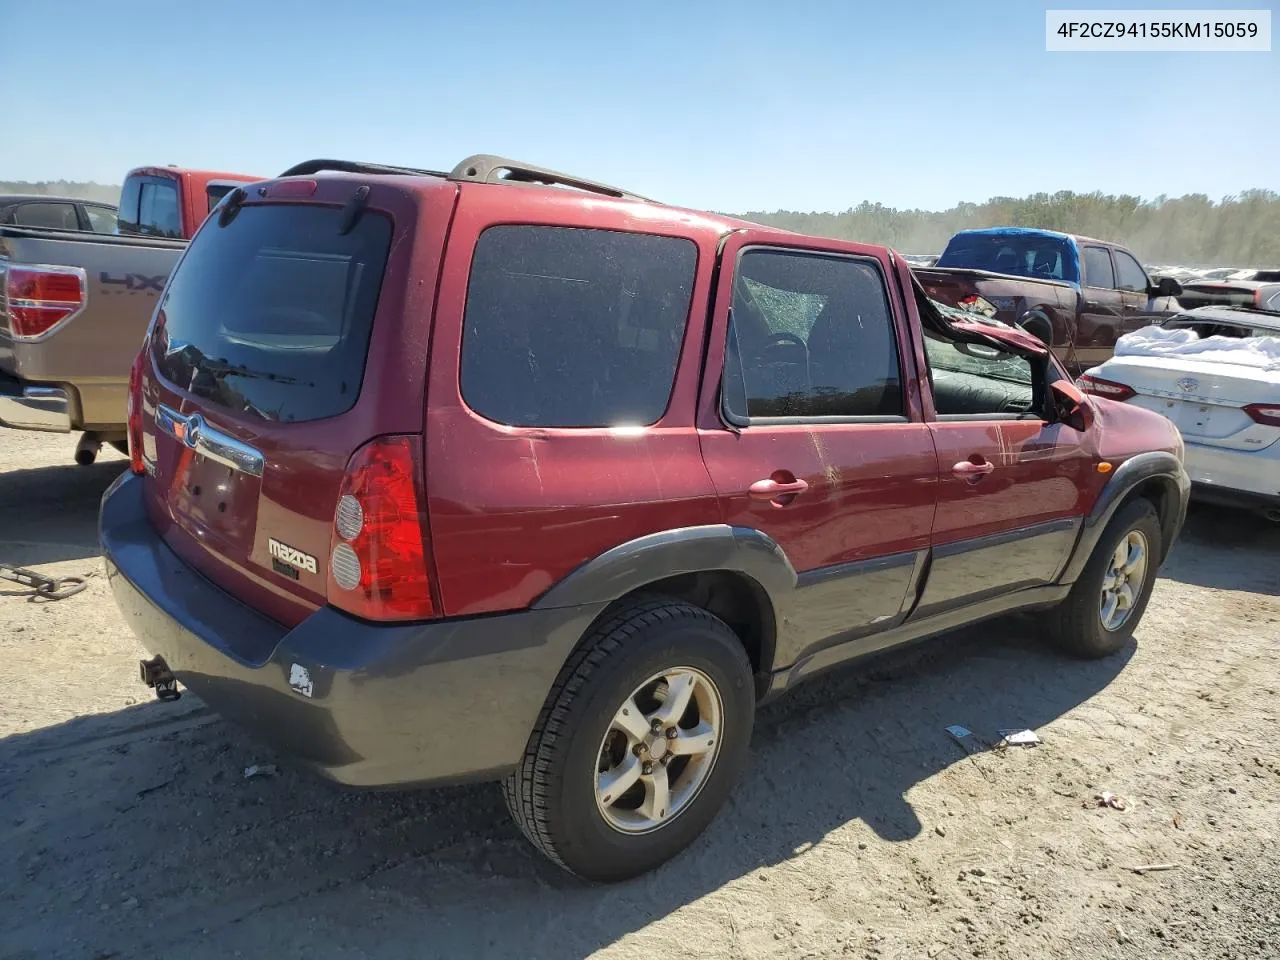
x=271, y=314
x=573, y=327
x=1023, y=255
x=158, y=210
x=149, y=206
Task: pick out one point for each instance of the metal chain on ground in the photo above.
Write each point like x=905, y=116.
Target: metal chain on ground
x=42, y=587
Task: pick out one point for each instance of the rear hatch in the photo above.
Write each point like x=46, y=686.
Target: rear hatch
x=1204, y=399
x=289, y=335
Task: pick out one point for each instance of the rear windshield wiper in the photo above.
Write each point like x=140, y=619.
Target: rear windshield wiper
x=219, y=369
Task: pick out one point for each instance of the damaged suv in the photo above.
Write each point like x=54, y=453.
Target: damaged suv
x=502, y=474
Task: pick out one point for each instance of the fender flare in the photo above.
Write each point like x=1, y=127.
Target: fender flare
x=657, y=556
x=1160, y=466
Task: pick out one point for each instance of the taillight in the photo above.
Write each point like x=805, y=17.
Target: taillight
x=38, y=297
x=378, y=561
x=134, y=411
x=976, y=304
x=1268, y=413
x=1105, y=388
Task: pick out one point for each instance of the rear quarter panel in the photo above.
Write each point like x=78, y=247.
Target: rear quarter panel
x=515, y=509
x=92, y=353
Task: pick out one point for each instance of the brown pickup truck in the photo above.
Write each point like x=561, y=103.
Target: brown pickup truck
x=1077, y=294
x=74, y=305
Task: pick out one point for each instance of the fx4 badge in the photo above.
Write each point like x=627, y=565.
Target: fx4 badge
x=284, y=555
x=133, y=282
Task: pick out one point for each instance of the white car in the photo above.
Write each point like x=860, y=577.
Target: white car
x=1215, y=372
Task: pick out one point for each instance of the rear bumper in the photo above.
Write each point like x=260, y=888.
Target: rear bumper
x=1235, y=475
x=26, y=406
x=363, y=704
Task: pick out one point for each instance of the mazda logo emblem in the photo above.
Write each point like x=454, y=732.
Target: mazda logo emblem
x=188, y=431
x=1188, y=383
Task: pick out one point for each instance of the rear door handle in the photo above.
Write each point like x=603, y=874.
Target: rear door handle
x=967, y=468
x=770, y=489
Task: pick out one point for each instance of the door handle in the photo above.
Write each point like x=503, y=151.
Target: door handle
x=771, y=489
x=967, y=468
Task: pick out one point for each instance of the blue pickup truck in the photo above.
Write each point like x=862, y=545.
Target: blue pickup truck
x=1077, y=294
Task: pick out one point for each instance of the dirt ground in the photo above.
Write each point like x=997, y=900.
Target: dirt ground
x=861, y=828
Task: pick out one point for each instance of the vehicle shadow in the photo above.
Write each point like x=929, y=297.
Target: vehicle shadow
x=132, y=831
x=1220, y=548
x=50, y=513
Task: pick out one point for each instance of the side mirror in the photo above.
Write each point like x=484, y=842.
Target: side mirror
x=1165, y=287
x=1070, y=405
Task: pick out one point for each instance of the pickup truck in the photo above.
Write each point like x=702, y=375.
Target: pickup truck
x=75, y=305
x=57, y=213
x=1077, y=294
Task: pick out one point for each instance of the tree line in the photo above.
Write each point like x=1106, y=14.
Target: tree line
x=1241, y=230
x=80, y=189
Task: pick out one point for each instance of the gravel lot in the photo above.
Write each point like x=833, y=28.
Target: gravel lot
x=861, y=829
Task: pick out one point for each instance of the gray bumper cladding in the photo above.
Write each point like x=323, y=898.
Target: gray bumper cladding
x=363, y=704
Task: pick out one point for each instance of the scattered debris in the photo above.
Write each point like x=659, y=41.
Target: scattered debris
x=260, y=770
x=1105, y=799
x=940, y=830
x=1154, y=867
x=959, y=732
x=1019, y=738
x=300, y=680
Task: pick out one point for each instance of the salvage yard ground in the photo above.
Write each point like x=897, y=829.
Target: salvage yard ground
x=861, y=828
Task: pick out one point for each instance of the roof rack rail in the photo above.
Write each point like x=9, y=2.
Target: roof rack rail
x=353, y=166
x=486, y=168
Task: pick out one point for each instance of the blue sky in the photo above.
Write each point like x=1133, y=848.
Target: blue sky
x=729, y=106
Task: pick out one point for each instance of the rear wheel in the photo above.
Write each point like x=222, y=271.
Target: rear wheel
x=643, y=736
x=1108, y=600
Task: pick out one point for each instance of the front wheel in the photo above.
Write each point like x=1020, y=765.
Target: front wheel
x=639, y=744
x=1103, y=609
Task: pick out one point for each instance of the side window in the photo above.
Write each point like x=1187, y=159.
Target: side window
x=572, y=327
x=158, y=210
x=54, y=216
x=972, y=379
x=810, y=336
x=214, y=193
x=101, y=219
x=1129, y=273
x=1097, y=268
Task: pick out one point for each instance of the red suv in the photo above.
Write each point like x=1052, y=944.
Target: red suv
x=502, y=474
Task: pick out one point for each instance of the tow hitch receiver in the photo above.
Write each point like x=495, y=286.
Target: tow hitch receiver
x=156, y=675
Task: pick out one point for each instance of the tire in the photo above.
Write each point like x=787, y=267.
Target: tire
x=552, y=793
x=1077, y=625
x=1039, y=326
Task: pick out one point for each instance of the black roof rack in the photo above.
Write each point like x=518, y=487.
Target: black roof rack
x=485, y=168
x=353, y=166
x=481, y=168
